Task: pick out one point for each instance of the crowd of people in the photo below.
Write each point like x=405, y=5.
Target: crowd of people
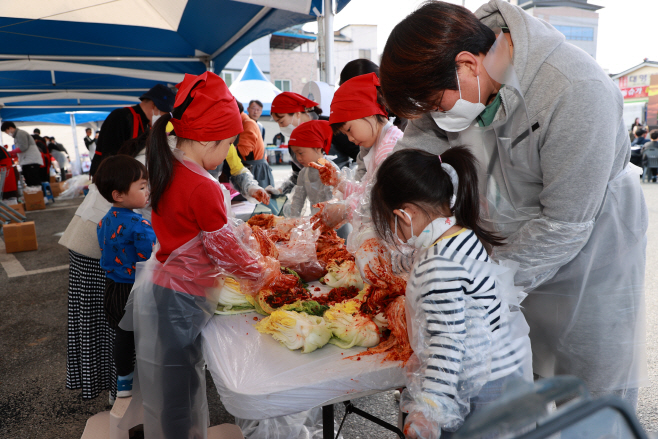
x=450, y=155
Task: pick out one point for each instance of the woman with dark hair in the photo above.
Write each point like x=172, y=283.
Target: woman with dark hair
x=569, y=206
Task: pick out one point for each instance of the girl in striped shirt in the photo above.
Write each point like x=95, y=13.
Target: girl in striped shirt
x=468, y=335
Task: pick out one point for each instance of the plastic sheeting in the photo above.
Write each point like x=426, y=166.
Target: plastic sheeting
x=257, y=378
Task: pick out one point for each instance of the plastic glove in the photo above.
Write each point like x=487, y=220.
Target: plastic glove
x=331, y=215
x=329, y=174
x=373, y=264
x=272, y=190
x=230, y=254
x=259, y=194
x=417, y=426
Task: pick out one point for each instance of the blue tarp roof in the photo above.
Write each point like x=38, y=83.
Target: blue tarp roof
x=119, y=62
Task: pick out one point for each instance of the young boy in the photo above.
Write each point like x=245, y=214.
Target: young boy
x=125, y=238
x=309, y=142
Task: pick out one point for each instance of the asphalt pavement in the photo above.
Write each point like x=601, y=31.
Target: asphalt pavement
x=34, y=401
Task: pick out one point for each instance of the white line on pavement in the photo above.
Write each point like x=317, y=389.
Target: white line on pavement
x=14, y=268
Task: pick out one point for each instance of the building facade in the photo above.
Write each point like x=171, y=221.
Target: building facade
x=576, y=19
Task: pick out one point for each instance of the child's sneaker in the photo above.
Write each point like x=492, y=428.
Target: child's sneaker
x=125, y=386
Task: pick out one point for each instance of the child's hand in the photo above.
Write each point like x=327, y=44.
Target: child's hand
x=328, y=173
x=417, y=426
x=259, y=194
x=330, y=215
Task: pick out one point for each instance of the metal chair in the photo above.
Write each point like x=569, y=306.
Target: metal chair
x=650, y=162
x=523, y=413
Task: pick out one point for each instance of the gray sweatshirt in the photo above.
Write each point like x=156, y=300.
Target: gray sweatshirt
x=582, y=140
x=29, y=152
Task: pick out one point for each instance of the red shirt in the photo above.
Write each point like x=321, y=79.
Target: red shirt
x=191, y=204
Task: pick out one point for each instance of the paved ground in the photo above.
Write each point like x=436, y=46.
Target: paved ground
x=34, y=402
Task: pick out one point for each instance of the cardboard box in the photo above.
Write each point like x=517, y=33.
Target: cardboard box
x=53, y=179
x=20, y=237
x=17, y=207
x=34, y=201
x=57, y=188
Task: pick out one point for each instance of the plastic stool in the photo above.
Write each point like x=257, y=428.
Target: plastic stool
x=47, y=192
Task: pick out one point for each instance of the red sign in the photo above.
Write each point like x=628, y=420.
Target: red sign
x=635, y=92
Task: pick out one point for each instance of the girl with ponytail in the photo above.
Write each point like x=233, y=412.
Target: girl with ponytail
x=176, y=291
x=462, y=309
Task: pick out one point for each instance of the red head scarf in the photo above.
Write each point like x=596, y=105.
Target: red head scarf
x=356, y=99
x=289, y=102
x=213, y=113
x=312, y=134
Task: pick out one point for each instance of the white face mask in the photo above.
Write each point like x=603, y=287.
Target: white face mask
x=288, y=129
x=154, y=119
x=11, y=133
x=429, y=235
x=461, y=115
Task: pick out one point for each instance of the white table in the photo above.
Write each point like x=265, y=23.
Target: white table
x=257, y=378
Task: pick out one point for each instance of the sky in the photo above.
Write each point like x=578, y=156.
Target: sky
x=628, y=29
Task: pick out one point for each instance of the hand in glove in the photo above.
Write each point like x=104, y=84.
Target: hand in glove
x=374, y=266
x=272, y=190
x=259, y=194
x=329, y=175
x=417, y=426
x=331, y=215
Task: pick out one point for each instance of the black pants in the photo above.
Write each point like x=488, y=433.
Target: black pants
x=116, y=296
x=32, y=174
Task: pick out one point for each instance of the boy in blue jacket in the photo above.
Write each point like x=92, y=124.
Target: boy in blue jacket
x=125, y=238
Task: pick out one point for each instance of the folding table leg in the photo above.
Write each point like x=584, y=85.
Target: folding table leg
x=328, y=421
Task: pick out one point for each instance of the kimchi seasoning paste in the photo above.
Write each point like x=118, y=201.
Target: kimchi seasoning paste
x=337, y=295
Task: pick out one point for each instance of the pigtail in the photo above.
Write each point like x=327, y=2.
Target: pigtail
x=159, y=160
x=467, y=204
x=314, y=112
x=417, y=177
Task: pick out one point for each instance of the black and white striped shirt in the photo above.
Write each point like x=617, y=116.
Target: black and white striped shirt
x=450, y=295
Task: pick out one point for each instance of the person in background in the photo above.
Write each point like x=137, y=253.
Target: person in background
x=653, y=145
x=635, y=125
x=129, y=122
x=90, y=142
x=58, y=151
x=255, y=109
x=125, y=238
x=10, y=189
x=310, y=142
x=40, y=141
x=251, y=149
x=29, y=155
x=636, y=146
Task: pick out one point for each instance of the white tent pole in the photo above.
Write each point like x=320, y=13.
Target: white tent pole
x=329, y=41
x=321, y=48
x=77, y=166
x=100, y=58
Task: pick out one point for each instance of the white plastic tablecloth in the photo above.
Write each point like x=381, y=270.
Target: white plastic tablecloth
x=258, y=378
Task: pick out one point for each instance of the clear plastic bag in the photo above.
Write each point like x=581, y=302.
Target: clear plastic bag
x=299, y=253
x=74, y=187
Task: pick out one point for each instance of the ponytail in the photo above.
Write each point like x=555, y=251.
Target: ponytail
x=159, y=160
x=467, y=204
x=416, y=177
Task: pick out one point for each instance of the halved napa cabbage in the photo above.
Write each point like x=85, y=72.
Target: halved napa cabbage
x=349, y=327
x=296, y=330
x=231, y=299
x=344, y=275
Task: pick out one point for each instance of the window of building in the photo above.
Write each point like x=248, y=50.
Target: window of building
x=578, y=33
x=282, y=84
x=364, y=53
x=227, y=77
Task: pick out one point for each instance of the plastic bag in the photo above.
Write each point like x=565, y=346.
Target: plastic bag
x=304, y=425
x=299, y=253
x=74, y=187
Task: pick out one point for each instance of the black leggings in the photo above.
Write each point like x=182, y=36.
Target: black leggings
x=116, y=296
x=32, y=174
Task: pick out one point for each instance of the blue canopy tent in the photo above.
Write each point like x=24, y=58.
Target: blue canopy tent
x=102, y=54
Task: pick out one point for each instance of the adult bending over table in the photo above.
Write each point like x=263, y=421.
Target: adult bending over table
x=569, y=206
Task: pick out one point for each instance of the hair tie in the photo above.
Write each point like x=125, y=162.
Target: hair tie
x=171, y=114
x=440, y=159
x=454, y=179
